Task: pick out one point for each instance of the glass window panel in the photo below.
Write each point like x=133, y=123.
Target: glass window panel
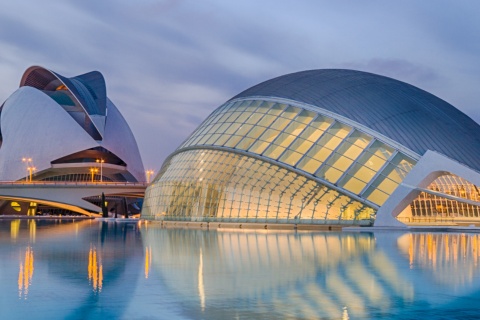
x=214, y=128
x=385, y=184
x=204, y=129
x=321, y=123
x=361, y=172
x=380, y=150
x=223, y=138
x=295, y=128
x=305, y=116
x=204, y=139
x=349, y=150
x=256, y=132
x=242, y=105
x=371, y=161
x=264, y=107
x=274, y=151
x=253, y=106
x=284, y=139
x=374, y=163
x=233, y=128
x=224, y=117
x=254, y=117
x=267, y=120
x=280, y=123
x=259, y=146
x=232, y=142
x=245, y=143
x=244, y=129
x=354, y=185
x=277, y=109
x=269, y=135
x=339, y=129
x=394, y=173
x=377, y=197
x=223, y=127
x=319, y=153
x=360, y=139
x=311, y=133
x=213, y=138
x=329, y=173
x=329, y=141
x=340, y=162
x=290, y=157
x=244, y=116
x=301, y=145
x=309, y=165
x=233, y=116
x=291, y=112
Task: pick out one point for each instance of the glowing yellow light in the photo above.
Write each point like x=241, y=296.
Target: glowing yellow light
x=93, y=171
x=148, y=261
x=149, y=174
x=25, y=273
x=95, y=270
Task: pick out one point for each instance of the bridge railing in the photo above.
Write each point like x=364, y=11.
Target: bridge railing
x=75, y=183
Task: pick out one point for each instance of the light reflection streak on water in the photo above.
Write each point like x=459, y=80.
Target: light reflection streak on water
x=148, y=260
x=25, y=273
x=14, y=229
x=95, y=270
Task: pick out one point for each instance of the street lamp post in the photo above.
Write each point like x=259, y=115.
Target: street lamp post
x=149, y=173
x=101, y=161
x=92, y=172
x=30, y=170
x=27, y=162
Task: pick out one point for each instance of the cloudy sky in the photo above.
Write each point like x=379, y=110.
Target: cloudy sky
x=168, y=64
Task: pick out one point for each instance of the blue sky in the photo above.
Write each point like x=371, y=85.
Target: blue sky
x=168, y=64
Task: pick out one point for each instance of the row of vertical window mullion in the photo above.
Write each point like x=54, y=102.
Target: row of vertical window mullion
x=254, y=126
x=315, y=143
x=334, y=152
x=378, y=173
x=266, y=129
x=347, y=172
x=233, y=122
x=293, y=121
x=280, y=132
x=264, y=195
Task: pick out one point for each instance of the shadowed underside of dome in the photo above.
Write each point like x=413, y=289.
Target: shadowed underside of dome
x=415, y=118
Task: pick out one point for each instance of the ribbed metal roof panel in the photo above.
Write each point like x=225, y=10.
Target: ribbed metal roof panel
x=413, y=117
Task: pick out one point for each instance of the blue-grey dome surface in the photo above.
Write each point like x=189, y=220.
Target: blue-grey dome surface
x=413, y=117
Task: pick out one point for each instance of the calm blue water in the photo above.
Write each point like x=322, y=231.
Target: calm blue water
x=100, y=270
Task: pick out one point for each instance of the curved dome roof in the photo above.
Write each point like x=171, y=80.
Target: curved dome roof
x=413, y=117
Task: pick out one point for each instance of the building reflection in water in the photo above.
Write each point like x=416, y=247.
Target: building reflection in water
x=91, y=267
x=312, y=275
x=453, y=257
x=25, y=273
x=95, y=269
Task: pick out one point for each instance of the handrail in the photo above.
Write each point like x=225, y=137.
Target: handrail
x=73, y=183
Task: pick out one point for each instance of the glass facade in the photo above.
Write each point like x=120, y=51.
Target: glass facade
x=435, y=206
x=315, y=168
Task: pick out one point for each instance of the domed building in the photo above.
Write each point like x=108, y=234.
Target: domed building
x=336, y=147
x=55, y=128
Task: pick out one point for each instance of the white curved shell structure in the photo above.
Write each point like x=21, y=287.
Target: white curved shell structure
x=67, y=129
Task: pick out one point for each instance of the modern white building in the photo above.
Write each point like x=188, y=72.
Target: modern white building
x=336, y=147
x=55, y=128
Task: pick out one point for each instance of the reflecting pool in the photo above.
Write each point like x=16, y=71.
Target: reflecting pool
x=107, y=270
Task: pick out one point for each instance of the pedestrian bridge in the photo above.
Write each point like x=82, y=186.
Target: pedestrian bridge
x=69, y=195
